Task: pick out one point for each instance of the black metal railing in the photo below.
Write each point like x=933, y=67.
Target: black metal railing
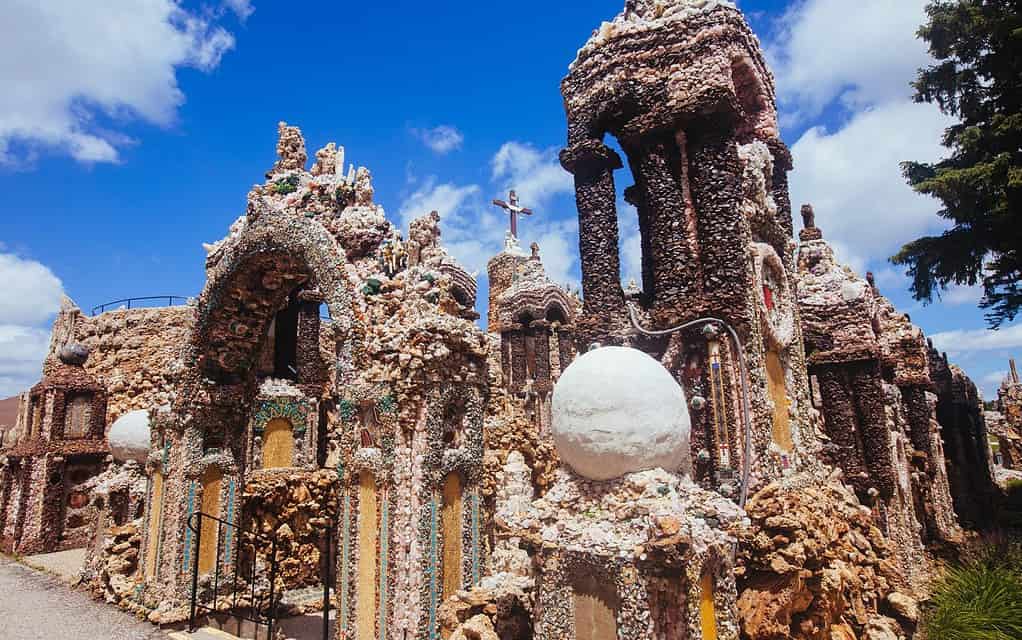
x=253, y=612
x=255, y=544
x=127, y=302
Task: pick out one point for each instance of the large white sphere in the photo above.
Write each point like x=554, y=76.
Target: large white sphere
x=616, y=410
x=129, y=437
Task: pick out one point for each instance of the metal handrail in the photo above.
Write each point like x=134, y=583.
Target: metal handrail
x=98, y=309
x=194, y=523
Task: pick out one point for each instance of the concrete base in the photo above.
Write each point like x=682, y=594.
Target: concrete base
x=66, y=565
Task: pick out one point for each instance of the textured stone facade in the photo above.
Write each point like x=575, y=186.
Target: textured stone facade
x=45, y=478
x=684, y=89
x=331, y=377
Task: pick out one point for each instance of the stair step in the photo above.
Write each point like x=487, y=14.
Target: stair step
x=205, y=633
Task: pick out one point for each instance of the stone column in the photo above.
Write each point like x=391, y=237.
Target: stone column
x=715, y=180
x=779, y=188
x=540, y=331
x=674, y=261
x=518, y=364
x=918, y=414
x=308, y=361
x=593, y=164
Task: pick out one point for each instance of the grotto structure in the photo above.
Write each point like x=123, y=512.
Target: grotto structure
x=750, y=443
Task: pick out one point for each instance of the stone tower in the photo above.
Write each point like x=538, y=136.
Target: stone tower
x=684, y=88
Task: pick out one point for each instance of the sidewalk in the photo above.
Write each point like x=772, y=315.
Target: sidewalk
x=36, y=606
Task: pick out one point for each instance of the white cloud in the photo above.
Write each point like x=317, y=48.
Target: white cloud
x=30, y=293
x=861, y=53
x=22, y=350
x=474, y=230
x=853, y=178
x=991, y=382
x=243, y=8
x=963, y=341
x=629, y=243
x=81, y=61
x=536, y=175
x=446, y=199
x=442, y=139
x=957, y=295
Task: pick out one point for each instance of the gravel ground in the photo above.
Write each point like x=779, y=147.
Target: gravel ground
x=35, y=606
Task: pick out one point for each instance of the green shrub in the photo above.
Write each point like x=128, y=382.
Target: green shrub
x=979, y=599
x=286, y=185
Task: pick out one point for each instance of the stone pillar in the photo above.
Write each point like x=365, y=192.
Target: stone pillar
x=540, y=330
x=593, y=164
x=308, y=361
x=715, y=179
x=1014, y=371
x=518, y=364
x=855, y=420
x=500, y=271
x=779, y=188
x=674, y=262
x=918, y=414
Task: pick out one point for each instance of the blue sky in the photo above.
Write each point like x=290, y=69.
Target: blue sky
x=135, y=129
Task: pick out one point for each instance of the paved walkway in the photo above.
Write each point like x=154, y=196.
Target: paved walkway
x=35, y=606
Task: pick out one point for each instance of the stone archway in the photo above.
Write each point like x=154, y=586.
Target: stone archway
x=252, y=280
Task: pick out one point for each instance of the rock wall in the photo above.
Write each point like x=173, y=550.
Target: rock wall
x=815, y=566
x=298, y=508
x=134, y=353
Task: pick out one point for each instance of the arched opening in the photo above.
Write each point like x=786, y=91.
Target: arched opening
x=451, y=522
x=212, y=481
x=454, y=425
x=595, y=604
x=707, y=607
x=751, y=97
x=278, y=444
x=368, y=540
x=155, y=525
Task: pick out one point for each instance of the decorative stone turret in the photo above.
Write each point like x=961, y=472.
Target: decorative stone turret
x=684, y=88
x=45, y=480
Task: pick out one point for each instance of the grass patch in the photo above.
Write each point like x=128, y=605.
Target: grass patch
x=980, y=598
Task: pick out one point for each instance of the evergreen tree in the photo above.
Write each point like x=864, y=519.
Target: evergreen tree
x=977, y=78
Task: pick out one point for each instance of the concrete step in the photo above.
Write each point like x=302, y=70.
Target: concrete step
x=205, y=633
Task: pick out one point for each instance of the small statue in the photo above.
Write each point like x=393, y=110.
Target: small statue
x=808, y=216
x=393, y=257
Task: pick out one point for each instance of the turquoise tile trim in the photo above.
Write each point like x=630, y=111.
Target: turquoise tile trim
x=475, y=538
x=384, y=557
x=188, y=530
x=229, y=534
x=345, y=559
x=432, y=571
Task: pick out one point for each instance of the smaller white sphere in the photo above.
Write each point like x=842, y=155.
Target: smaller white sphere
x=616, y=411
x=129, y=437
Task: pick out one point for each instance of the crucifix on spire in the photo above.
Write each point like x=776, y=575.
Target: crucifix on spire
x=513, y=209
